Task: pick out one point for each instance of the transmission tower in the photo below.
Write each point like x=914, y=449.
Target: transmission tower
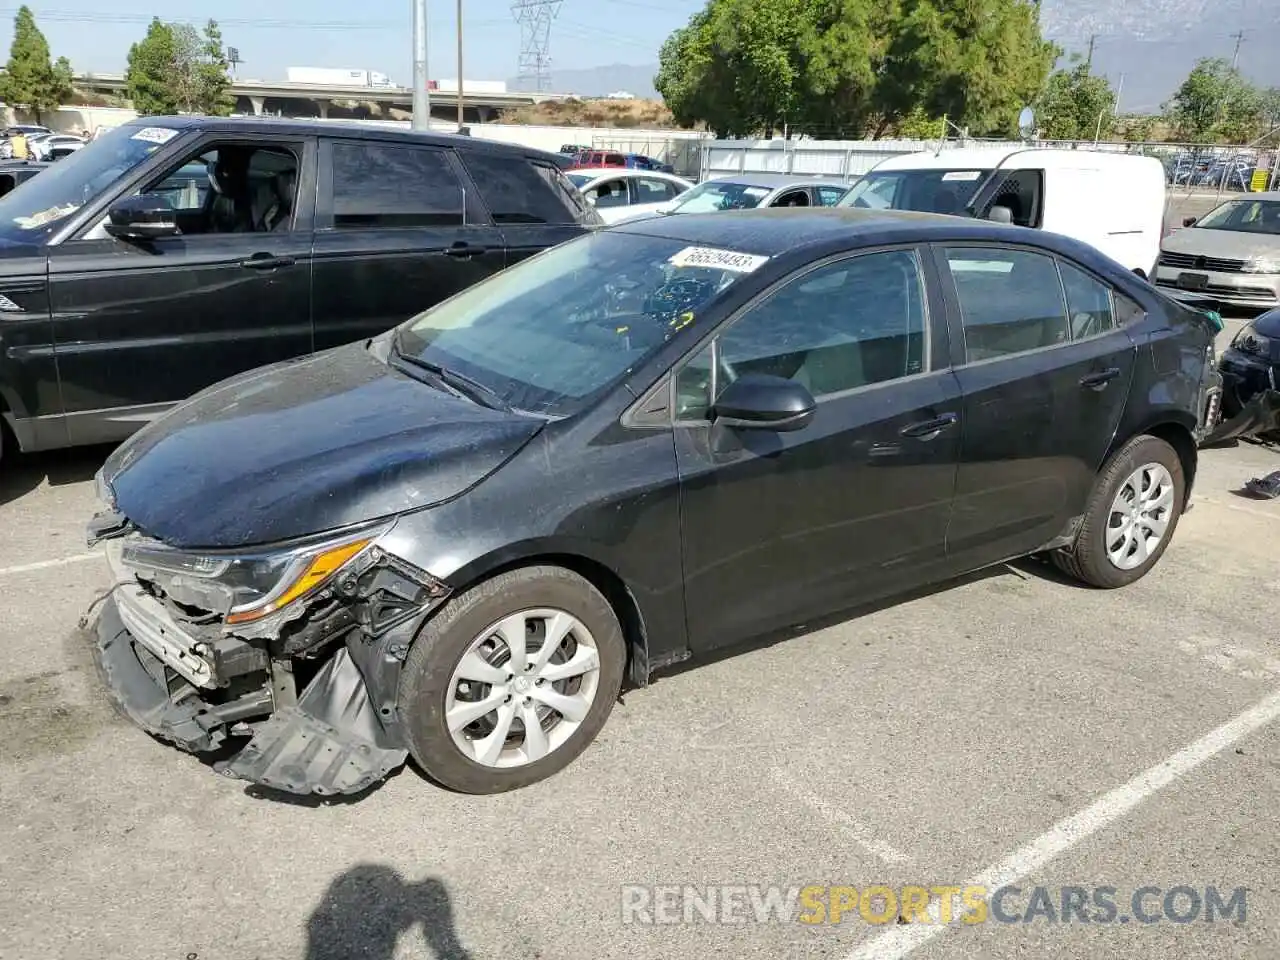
x=534, y=17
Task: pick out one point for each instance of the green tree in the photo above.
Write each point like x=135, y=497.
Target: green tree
x=31, y=79
x=1215, y=104
x=175, y=68
x=1076, y=105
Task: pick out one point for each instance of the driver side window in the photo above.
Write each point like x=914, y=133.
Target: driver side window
x=844, y=325
x=232, y=188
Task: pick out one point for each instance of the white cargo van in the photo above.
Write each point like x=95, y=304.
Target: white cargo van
x=1113, y=201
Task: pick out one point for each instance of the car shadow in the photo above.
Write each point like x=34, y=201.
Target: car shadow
x=367, y=908
x=1025, y=568
x=20, y=473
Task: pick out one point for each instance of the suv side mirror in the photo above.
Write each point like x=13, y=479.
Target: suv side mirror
x=758, y=401
x=142, y=218
x=1188, y=221
x=1000, y=215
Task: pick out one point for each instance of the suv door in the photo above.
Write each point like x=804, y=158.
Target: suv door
x=396, y=232
x=533, y=203
x=1045, y=372
x=141, y=325
x=782, y=526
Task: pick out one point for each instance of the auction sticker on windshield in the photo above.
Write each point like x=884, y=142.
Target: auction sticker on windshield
x=730, y=260
x=155, y=134
x=961, y=175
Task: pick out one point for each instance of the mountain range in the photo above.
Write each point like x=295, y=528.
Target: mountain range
x=1145, y=47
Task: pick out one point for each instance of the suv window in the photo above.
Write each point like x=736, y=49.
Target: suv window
x=1089, y=301
x=844, y=325
x=394, y=185
x=1010, y=301
x=517, y=191
x=256, y=189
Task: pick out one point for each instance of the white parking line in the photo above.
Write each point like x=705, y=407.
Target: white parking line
x=46, y=564
x=901, y=940
x=861, y=833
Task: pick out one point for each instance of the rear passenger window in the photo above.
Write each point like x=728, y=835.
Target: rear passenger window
x=516, y=191
x=1010, y=301
x=1089, y=302
x=393, y=185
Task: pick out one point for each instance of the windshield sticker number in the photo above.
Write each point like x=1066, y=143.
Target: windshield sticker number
x=715, y=259
x=961, y=175
x=155, y=135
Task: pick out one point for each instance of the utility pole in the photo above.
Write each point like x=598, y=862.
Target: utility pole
x=421, y=97
x=1093, y=37
x=460, y=123
x=1115, y=111
x=1235, y=57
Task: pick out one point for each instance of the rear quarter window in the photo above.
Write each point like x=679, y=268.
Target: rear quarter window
x=518, y=190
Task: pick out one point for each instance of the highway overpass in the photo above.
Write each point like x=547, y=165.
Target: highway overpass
x=279, y=97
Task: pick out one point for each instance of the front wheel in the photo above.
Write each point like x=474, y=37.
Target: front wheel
x=1131, y=516
x=511, y=680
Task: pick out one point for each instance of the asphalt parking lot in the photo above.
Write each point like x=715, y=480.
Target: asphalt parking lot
x=1011, y=728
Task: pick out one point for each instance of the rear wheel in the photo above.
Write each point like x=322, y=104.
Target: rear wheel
x=511, y=680
x=1131, y=516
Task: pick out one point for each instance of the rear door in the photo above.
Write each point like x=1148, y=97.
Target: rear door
x=396, y=232
x=531, y=201
x=141, y=325
x=1045, y=373
x=649, y=193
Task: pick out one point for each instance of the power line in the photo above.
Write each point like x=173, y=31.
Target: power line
x=76, y=16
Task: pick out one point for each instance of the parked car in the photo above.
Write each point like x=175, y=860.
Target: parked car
x=751, y=190
x=174, y=252
x=1113, y=201
x=455, y=540
x=55, y=146
x=27, y=130
x=1231, y=254
x=15, y=172
x=1251, y=364
x=618, y=195
x=599, y=158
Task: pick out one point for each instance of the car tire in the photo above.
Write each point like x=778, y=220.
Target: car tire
x=1088, y=559
x=430, y=677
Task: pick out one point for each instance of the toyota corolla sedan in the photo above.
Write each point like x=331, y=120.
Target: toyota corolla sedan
x=455, y=541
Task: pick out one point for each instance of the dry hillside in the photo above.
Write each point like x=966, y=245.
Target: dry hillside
x=592, y=113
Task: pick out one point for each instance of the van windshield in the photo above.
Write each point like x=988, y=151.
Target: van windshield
x=29, y=213
x=926, y=191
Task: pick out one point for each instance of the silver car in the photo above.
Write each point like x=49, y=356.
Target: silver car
x=747, y=191
x=1231, y=254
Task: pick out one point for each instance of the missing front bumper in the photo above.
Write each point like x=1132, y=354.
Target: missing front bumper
x=340, y=737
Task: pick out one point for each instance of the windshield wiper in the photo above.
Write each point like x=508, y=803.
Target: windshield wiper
x=459, y=383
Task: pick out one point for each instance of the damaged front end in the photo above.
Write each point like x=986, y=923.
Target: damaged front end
x=293, y=651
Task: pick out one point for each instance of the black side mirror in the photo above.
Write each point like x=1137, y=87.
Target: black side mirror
x=1000, y=215
x=142, y=218
x=1188, y=221
x=758, y=401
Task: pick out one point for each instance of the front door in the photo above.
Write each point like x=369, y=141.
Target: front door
x=779, y=527
x=1045, y=373
x=141, y=325
x=396, y=233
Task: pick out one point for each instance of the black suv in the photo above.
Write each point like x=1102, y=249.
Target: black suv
x=174, y=252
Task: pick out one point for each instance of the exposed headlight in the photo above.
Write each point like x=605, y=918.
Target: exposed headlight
x=1248, y=340
x=247, y=586
x=1262, y=265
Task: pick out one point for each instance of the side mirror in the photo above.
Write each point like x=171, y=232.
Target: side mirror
x=1000, y=215
x=759, y=401
x=142, y=218
x=1188, y=221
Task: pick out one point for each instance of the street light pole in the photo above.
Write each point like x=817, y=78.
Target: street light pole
x=460, y=123
x=421, y=96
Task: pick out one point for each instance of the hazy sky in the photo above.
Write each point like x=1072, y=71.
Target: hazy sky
x=373, y=35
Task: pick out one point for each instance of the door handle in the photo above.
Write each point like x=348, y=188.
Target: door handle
x=1099, y=380
x=464, y=251
x=265, y=261
x=928, y=429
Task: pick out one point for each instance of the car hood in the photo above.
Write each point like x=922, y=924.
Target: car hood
x=302, y=447
x=1225, y=244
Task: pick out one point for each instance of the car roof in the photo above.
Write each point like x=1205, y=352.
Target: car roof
x=987, y=158
x=775, y=231
x=775, y=180
x=280, y=126
x=597, y=173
